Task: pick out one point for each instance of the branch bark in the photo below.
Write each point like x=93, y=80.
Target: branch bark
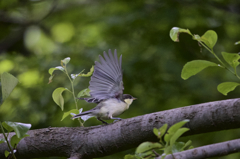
x=98, y=141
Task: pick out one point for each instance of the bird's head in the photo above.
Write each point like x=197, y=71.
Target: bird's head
x=128, y=99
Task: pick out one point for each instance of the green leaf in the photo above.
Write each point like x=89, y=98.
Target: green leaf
x=196, y=37
x=191, y=147
x=88, y=74
x=227, y=87
x=163, y=129
x=51, y=70
x=156, y=132
x=2, y=141
x=15, y=140
x=209, y=38
x=193, y=67
x=238, y=42
x=6, y=153
x=173, y=129
x=8, y=83
x=7, y=127
x=146, y=146
x=186, y=145
x=177, y=134
x=20, y=128
x=175, y=31
x=65, y=61
x=177, y=147
x=176, y=126
x=231, y=59
x=57, y=96
x=84, y=92
x=129, y=156
x=75, y=111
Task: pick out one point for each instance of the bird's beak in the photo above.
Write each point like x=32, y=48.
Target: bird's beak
x=134, y=98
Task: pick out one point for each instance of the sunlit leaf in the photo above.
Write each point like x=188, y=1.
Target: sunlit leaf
x=75, y=111
x=173, y=129
x=8, y=83
x=84, y=92
x=51, y=70
x=193, y=67
x=238, y=42
x=87, y=74
x=177, y=134
x=227, y=87
x=66, y=60
x=163, y=129
x=178, y=125
x=130, y=157
x=231, y=58
x=187, y=144
x=57, y=96
x=146, y=146
x=209, y=38
x=19, y=128
x=175, y=31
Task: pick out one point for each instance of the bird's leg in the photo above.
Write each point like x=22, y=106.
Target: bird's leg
x=116, y=119
x=104, y=122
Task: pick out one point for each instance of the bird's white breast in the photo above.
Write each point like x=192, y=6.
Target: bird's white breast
x=112, y=108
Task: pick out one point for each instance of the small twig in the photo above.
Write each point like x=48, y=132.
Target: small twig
x=155, y=153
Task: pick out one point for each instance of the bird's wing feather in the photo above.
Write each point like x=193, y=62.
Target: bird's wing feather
x=106, y=81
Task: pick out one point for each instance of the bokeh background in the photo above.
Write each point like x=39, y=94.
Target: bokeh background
x=36, y=35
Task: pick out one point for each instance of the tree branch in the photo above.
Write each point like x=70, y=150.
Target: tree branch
x=219, y=149
x=98, y=141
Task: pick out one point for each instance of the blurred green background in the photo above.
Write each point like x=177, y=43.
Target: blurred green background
x=36, y=34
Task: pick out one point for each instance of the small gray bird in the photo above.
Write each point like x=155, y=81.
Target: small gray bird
x=106, y=89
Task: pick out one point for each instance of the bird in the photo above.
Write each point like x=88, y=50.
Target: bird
x=106, y=89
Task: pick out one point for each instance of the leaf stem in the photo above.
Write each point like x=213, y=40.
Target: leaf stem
x=223, y=65
x=73, y=93
x=7, y=141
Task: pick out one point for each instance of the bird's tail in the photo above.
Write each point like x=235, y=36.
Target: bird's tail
x=81, y=114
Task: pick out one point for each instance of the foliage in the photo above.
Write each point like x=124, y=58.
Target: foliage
x=167, y=142
x=8, y=83
x=57, y=93
x=208, y=41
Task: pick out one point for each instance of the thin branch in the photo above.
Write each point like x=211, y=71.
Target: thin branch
x=214, y=150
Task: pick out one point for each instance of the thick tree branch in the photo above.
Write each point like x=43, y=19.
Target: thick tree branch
x=219, y=149
x=104, y=140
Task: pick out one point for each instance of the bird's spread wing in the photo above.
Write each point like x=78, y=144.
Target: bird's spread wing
x=106, y=81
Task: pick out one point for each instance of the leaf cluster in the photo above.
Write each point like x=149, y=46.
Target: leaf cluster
x=208, y=40
x=167, y=142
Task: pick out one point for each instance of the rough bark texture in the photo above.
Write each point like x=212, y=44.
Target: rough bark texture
x=214, y=150
x=104, y=140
